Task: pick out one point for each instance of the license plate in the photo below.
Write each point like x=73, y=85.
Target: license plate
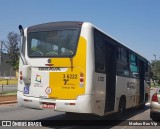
x=48, y=105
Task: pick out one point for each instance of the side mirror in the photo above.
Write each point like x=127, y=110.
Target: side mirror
x=22, y=40
x=21, y=30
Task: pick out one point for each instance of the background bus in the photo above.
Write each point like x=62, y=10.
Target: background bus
x=76, y=67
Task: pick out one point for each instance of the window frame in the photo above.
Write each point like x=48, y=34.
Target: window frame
x=101, y=36
x=121, y=62
x=60, y=56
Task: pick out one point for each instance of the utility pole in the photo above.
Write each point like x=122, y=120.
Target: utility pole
x=155, y=57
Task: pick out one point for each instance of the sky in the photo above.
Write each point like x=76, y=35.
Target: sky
x=135, y=23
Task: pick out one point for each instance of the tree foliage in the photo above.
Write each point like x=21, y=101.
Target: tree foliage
x=156, y=70
x=12, y=49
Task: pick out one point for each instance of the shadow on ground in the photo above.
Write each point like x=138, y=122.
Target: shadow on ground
x=74, y=121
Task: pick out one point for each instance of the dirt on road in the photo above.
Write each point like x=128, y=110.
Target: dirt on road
x=8, y=98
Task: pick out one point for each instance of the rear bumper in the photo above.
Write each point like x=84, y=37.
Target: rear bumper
x=83, y=104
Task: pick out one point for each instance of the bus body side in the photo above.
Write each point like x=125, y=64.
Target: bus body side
x=114, y=83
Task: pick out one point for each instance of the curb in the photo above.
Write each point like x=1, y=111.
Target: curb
x=8, y=102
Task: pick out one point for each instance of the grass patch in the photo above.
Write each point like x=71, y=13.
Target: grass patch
x=8, y=93
x=156, y=85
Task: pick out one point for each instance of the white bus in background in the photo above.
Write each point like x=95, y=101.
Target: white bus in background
x=76, y=67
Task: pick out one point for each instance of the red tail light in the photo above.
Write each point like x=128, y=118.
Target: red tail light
x=21, y=78
x=154, y=97
x=81, y=80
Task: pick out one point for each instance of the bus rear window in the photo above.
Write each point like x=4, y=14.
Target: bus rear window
x=56, y=43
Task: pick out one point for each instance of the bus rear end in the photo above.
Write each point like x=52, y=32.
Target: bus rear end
x=54, y=75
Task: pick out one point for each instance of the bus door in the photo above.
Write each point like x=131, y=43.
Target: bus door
x=141, y=72
x=110, y=66
x=105, y=74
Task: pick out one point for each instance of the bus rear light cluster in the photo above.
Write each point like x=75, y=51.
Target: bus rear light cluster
x=21, y=78
x=81, y=79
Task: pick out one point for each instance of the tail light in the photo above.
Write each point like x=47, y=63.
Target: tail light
x=21, y=78
x=81, y=79
x=154, y=97
x=81, y=74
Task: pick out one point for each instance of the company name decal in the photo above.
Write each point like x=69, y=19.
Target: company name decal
x=49, y=69
x=38, y=78
x=38, y=81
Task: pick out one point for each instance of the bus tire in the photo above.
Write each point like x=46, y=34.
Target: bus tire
x=121, y=107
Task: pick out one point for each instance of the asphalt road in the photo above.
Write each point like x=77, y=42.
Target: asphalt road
x=13, y=112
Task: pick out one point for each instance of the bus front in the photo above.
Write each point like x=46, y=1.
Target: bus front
x=52, y=68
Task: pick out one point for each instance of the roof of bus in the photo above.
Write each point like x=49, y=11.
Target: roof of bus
x=73, y=24
x=55, y=25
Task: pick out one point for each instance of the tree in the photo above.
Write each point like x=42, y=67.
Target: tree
x=12, y=49
x=156, y=70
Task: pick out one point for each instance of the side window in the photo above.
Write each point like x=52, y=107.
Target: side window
x=99, y=52
x=134, y=70
x=122, y=62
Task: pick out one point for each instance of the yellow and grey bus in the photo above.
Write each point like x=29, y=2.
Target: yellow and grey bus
x=76, y=67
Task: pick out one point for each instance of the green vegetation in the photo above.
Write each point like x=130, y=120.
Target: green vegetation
x=155, y=72
x=11, y=47
x=8, y=93
x=156, y=85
